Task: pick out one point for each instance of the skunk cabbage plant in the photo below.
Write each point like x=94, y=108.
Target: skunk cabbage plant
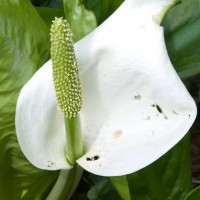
x=134, y=105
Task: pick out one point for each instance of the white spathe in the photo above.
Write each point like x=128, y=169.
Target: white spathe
x=135, y=107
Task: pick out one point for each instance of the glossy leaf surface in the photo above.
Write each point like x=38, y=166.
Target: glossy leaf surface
x=183, y=36
x=81, y=20
x=194, y=194
x=102, y=8
x=24, y=47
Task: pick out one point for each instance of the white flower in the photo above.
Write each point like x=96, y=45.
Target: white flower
x=135, y=107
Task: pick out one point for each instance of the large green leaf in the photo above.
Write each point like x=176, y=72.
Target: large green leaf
x=56, y=4
x=102, y=8
x=81, y=20
x=102, y=189
x=49, y=14
x=182, y=32
x=24, y=42
x=122, y=186
x=194, y=194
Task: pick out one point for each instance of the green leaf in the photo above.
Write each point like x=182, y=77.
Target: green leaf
x=24, y=42
x=121, y=185
x=183, y=36
x=49, y=14
x=102, y=8
x=38, y=1
x=81, y=20
x=57, y=4
x=102, y=190
x=194, y=194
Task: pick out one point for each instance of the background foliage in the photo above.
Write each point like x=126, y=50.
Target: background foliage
x=24, y=42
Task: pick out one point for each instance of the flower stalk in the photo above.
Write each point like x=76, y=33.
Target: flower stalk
x=74, y=145
x=67, y=86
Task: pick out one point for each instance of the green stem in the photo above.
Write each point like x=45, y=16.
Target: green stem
x=121, y=185
x=74, y=143
x=66, y=184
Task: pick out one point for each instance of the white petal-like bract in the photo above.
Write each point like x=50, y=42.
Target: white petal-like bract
x=40, y=127
x=135, y=107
